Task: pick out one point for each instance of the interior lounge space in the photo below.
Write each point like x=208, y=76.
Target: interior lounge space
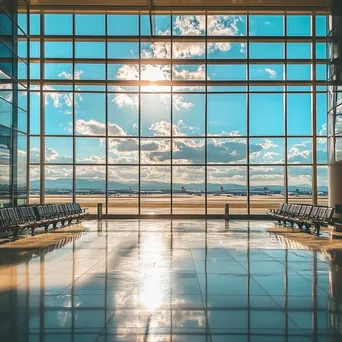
x=171, y=171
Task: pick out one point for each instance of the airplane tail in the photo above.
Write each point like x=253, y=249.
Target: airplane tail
x=222, y=188
x=183, y=189
x=130, y=188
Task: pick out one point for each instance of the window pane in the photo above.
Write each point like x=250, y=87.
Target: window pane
x=155, y=189
x=127, y=50
x=90, y=114
x=155, y=115
x=90, y=151
x=299, y=72
x=123, y=114
x=188, y=72
x=227, y=114
x=58, y=49
x=266, y=50
x=234, y=72
x=188, y=25
x=266, y=151
x=299, y=50
x=188, y=50
x=155, y=50
x=299, y=124
x=35, y=113
x=299, y=151
x=321, y=114
x=298, y=25
x=188, y=114
x=266, y=25
x=126, y=72
x=321, y=72
x=91, y=187
x=58, y=113
x=34, y=185
x=123, y=151
x=322, y=185
x=35, y=24
x=161, y=25
x=266, y=188
x=90, y=25
x=155, y=151
x=58, y=24
x=266, y=114
x=226, y=50
x=55, y=71
x=58, y=184
x=95, y=72
x=123, y=25
x=226, y=25
x=300, y=184
x=35, y=150
x=227, y=185
x=321, y=50
x=322, y=151
x=188, y=190
x=188, y=151
x=321, y=25
x=90, y=50
x=266, y=72
x=58, y=150
x=123, y=190
x=227, y=151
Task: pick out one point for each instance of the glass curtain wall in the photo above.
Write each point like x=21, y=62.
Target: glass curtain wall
x=180, y=114
x=14, y=48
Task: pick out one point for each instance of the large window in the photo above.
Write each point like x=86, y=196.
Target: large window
x=199, y=112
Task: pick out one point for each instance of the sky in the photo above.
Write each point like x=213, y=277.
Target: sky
x=228, y=115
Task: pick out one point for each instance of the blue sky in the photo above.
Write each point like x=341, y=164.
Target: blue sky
x=227, y=113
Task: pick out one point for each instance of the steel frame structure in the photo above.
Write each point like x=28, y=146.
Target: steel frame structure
x=316, y=88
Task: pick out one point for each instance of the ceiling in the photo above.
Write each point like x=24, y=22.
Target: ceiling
x=181, y=5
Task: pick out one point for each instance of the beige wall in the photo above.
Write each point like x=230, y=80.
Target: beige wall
x=335, y=185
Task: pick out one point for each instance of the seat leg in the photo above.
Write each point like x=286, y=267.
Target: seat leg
x=46, y=228
x=32, y=230
x=317, y=230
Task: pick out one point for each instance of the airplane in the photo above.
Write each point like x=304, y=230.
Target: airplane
x=191, y=192
x=145, y=192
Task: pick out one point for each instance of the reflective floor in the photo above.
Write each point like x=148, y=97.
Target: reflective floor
x=163, y=280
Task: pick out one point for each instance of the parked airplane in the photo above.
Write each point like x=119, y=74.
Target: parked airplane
x=145, y=192
x=191, y=192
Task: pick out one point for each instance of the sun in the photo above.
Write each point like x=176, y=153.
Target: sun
x=154, y=73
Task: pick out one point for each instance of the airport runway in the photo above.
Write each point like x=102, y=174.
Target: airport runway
x=182, y=203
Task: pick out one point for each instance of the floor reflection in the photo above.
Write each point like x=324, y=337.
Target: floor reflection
x=162, y=280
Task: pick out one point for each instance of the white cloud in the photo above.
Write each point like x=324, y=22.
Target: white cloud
x=271, y=72
x=179, y=103
x=157, y=50
x=126, y=100
x=189, y=25
x=323, y=130
x=184, y=74
x=223, y=25
x=188, y=50
x=93, y=127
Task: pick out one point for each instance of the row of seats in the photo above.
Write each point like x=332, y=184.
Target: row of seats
x=303, y=215
x=31, y=217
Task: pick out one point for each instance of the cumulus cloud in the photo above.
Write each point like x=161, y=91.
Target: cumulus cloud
x=223, y=25
x=179, y=103
x=157, y=50
x=181, y=73
x=93, y=127
x=189, y=25
x=300, y=153
x=126, y=100
x=182, y=50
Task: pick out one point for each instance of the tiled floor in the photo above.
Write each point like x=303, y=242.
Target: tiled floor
x=162, y=280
